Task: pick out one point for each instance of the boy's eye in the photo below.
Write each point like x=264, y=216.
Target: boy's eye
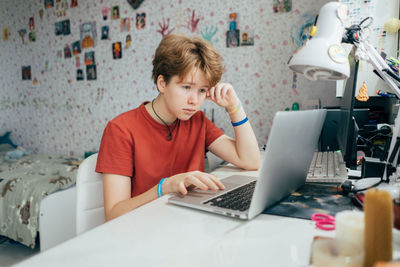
x=203, y=90
x=186, y=87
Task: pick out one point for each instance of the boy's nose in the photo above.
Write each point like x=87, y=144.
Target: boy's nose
x=193, y=98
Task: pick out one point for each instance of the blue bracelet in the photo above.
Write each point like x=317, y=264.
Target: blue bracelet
x=159, y=187
x=240, y=122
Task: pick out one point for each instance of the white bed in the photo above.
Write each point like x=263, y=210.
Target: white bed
x=36, y=184
x=57, y=218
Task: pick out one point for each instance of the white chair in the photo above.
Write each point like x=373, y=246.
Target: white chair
x=212, y=162
x=89, y=196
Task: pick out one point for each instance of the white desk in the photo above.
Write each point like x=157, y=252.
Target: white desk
x=161, y=234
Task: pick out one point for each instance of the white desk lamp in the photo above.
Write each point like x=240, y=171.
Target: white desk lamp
x=323, y=58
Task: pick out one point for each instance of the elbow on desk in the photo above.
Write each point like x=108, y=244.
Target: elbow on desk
x=251, y=166
x=108, y=216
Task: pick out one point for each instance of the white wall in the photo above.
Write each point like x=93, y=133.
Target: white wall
x=62, y=115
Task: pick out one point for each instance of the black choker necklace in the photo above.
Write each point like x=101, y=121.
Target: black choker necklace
x=169, y=137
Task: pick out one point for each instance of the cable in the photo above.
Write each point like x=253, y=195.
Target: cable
x=364, y=20
x=348, y=187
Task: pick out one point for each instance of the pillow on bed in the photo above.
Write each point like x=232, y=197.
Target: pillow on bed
x=5, y=139
x=6, y=147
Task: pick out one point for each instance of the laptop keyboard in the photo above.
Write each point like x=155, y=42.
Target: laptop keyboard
x=237, y=199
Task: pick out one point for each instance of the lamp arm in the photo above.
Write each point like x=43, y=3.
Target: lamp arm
x=365, y=51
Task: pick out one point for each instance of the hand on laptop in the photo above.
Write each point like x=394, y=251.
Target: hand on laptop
x=180, y=183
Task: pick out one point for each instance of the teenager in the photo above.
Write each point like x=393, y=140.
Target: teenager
x=159, y=148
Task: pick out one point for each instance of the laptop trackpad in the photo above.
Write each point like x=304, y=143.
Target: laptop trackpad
x=238, y=179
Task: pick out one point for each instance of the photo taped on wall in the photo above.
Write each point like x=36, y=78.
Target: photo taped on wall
x=26, y=73
x=91, y=72
x=89, y=58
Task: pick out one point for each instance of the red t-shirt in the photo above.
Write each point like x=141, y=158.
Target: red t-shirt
x=136, y=145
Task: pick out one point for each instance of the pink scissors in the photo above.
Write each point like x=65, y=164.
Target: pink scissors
x=324, y=221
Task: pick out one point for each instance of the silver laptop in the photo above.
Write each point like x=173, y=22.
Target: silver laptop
x=290, y=148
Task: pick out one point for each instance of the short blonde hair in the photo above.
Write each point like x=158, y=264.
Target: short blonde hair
x=178, y=54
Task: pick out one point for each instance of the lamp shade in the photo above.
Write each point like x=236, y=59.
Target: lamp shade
x=323, y=57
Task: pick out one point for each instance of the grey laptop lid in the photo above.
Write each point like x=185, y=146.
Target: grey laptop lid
x=290, y=148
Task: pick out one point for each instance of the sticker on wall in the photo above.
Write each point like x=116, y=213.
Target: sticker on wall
x=281, y=6
x=125, y=25
x=67, y=51
x=294, y=84
x=193, y=21
x=32, y=37
x=48, y=3
x=116, y=50
x=135, y=3
x=31, y=23
x=74, y=3
x=61, y=8
x=140, y=20
x=104, y=32
x=300, y=34
x=91, y=72
x=46, y=65
x=104, y=12
x=164, y=27
x=77, y=61
x=26, y=73
x=247, y=38
x=62, y=27
x=41, y=13
x=115, y=12
x=22, y=34
x=209, y=33
x=232, y=38
x=76, y=48
x=100, y=95
x=89, y=58
x=35, y=81
x=79, y=75
x=232, y=21
x=233, y=34
x=58, y=28
x=59, y=54
x=88, y=34
x=128, y=41
x=6, y=34
x=66, y=27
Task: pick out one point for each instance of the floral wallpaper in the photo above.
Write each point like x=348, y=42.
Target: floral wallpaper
x=50, y=109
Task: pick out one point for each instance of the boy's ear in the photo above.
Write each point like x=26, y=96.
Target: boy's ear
x=161, y=84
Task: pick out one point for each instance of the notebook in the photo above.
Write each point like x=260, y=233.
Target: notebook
x=290, y=148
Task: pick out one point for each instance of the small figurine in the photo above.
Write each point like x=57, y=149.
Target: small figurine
x=363, y=93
